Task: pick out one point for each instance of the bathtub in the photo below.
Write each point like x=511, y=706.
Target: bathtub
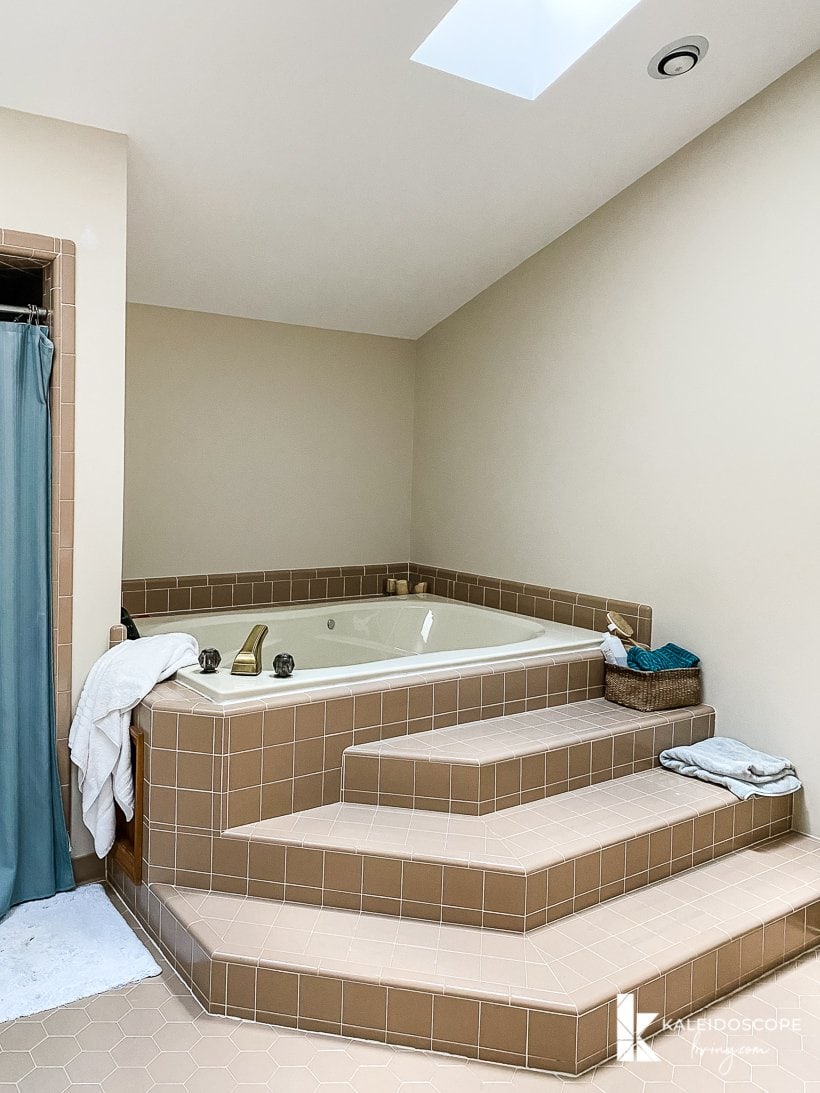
x=354, y=641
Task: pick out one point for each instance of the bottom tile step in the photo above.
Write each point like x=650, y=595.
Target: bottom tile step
x=545, y=1000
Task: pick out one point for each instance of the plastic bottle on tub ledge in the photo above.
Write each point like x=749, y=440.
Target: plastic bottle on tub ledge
x=614, y=650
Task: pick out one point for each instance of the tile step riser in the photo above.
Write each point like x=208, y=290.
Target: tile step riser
x=287, y=756
x=475, y=790
x=496, y=899
x=457, y=1023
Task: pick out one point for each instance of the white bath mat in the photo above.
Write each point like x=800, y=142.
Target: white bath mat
x=54, y=951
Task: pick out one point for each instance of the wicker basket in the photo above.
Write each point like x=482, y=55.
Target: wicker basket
x=647, y=691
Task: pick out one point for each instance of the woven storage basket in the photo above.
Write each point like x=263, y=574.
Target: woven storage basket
x=649, y=691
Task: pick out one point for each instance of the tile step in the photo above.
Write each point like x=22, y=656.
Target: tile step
x=510, y=870
x=545, y=1000
x=484, y=766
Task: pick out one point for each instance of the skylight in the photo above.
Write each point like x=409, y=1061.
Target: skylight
x=518, y=46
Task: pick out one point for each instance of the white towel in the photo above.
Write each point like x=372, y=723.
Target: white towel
x=733, y=764
x=99, y=737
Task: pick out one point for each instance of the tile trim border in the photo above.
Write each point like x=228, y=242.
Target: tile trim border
x=280, y=587
x=256, y=588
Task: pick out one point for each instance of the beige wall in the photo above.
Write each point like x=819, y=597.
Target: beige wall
x=70, y=181
x=635, y=411
x=256, y=445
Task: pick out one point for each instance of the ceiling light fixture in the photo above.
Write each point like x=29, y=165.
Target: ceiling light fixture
x=518, y=46
x=678, y=58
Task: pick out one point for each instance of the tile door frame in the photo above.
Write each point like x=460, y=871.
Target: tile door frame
x=57, y=257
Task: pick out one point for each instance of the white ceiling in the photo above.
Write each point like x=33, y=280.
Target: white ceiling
x=289, y=162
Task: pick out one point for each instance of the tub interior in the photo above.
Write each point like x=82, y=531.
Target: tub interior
x=346, y=641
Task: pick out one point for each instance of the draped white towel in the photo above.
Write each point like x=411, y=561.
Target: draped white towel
x=99, y=737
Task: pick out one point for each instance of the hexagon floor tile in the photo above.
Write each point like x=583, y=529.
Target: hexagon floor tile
x=154, y=1037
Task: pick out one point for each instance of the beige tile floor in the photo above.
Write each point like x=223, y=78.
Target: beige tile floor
x=155, y=1037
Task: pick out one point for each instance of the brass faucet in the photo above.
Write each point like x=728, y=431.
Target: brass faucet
x=248, y=661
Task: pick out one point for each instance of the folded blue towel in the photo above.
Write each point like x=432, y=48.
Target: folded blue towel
x=661, y=660
x=733, y=764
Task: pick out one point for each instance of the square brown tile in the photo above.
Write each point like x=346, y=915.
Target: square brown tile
x=463, y=887
x=502, y=1028
x=410, y=1013
x=320, y=998
x=432, y=780
x=455, y=1020
x=277, y=992
x=364, y=1005
x=304, y=866
x=383, y=877
x=551, y=1041
x=422, y=882
x=343, y=873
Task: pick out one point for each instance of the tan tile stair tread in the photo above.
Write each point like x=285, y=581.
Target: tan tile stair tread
x=516, y=735
x=519, y=839
x=567, y=966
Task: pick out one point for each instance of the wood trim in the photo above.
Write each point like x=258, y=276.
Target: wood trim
x=128, y=842
x=88, y=869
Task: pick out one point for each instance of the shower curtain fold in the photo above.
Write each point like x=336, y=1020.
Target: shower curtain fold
x=34, y=853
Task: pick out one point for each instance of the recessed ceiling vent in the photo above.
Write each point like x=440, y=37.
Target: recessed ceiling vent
x=678, y=58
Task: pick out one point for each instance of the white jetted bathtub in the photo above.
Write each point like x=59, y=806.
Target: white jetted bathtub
x=334, y=644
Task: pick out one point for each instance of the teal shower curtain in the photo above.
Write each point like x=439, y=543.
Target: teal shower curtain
x=34, y=856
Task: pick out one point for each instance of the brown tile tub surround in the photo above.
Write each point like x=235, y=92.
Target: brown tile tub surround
x=538, y=601
x=712, y=910
x=56, y=257
x=258, y=588
x=482, y=948
x=211, y=767
x=546, y=1002
x=267, y=588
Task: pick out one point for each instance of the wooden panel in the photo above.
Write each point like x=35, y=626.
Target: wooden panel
x=128, y=841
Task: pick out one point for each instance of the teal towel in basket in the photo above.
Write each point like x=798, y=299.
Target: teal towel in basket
x=660, y=660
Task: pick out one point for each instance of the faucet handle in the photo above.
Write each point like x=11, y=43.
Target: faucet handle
x=209, y=660
x=283, y=665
